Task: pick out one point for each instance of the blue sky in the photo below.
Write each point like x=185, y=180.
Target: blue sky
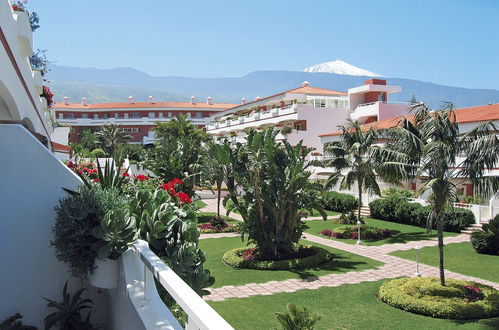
x=453, y=42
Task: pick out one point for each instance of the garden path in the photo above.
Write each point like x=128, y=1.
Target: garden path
x=393, y=267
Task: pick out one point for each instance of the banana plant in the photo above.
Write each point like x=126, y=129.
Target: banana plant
x=116, y=233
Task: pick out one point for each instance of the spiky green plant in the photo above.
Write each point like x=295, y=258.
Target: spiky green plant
x=69, y=311
x=297, y=318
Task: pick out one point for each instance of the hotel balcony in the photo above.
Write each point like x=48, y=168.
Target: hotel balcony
x=125, y=121
x=269, y=117
x=379, y=110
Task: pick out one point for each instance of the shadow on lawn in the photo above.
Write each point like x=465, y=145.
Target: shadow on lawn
x=492, y=323
x=336, y=264
x=408, y=237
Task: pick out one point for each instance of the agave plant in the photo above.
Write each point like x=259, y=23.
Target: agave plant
x=116, y=233
x=110, y=178
x=69, y=311
x=297, y=319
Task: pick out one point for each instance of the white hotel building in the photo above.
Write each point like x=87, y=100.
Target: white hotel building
x=308, y=112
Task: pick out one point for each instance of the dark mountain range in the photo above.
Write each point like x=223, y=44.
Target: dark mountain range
x=115, y=85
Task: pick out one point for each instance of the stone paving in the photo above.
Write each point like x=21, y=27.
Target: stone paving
x=392, y=267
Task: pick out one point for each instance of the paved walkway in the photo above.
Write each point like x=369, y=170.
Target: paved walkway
x=392, y=266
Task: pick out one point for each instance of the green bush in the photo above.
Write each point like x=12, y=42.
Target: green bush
x=234, y=258
x=297, y=318
x=486, y=241
x=457, y=300
x=349, y=219
x=76, y=216
x=98, y=153
x=399, y=210
x=339, y=202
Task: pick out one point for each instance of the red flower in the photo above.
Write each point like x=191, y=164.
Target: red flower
x=141, y=177
x=96, y=180
x=176, y=181
x=250, y=254
x=184, y=198
x=126, y=174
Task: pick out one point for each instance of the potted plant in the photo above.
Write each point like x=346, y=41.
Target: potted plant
x=116, y=233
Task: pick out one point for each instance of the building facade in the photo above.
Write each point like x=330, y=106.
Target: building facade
x=138, y=119
x=307, y=111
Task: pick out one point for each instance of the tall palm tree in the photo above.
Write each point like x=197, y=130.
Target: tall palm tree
x=111, y=136
x=430, y=145
x=352, y=157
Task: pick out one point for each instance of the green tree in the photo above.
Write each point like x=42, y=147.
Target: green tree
x=112, y=136
x=179, y=127
x=430, y=145
x=276, y=186
x=352, y=157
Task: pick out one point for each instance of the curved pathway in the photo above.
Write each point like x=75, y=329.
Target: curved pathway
x=392, y=266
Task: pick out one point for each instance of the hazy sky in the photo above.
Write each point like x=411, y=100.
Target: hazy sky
x=453, y=42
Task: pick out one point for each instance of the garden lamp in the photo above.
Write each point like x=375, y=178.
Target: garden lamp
x=417, y=248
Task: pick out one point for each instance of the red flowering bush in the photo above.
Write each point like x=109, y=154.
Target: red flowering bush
x=141, y=177
x=171, y=188
x=84, y=168
x=327, y=232
x=47, y=94
x=250, y=254
x=19, y=5
x=474, y=294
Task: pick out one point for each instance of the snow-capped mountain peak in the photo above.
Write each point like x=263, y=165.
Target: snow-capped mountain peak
x=341, y=67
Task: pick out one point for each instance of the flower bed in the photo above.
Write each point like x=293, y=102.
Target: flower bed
x=350, y=232
x=457, y=300
x=247, y=258
x=209, y=228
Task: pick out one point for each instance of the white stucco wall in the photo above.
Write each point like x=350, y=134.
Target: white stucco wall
x=16, y=28
x=319, y=121
x=31, y=181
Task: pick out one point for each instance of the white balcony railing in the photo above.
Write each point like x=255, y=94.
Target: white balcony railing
x=141, y=267
x=124, y=121
x=254, y=119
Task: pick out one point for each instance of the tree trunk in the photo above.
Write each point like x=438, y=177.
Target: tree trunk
x=219, y=193
x=359, y=185
x=441, y=250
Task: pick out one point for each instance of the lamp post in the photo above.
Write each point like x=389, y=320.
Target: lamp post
x=417, y=248
x=359, y=242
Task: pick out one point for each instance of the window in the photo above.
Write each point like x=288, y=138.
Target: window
x=96, y=116
x=199, y=115
x=126, y=115
x=84, y=115
x=299, y=127
x=61, y=116
x=105, y=115
x=135, y=115
x=170, y=114
x=152, y=115
x=116, y=115
x=131, y=129
x=71, y=115
x=160, y=115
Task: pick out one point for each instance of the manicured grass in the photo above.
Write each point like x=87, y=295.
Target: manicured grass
x=460, y=258
x=407, y=233
x=343, y=307
x=199, y=203
x=214, y=248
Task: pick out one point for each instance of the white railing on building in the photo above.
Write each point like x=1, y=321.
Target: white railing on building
x=200, y=315
x=377, y=102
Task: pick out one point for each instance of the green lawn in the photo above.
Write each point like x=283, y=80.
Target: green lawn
x=214, y=248
x=460, y=258
x=344, y=307
x=407, y=233
x=199, y=203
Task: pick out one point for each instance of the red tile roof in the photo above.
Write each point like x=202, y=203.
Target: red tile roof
x=97, y=106
x=60, y=147
x=463, y=115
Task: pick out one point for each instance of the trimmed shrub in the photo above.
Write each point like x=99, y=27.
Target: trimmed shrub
x=399, y=210
x=348, y=219
x=335, y=201
x=366, y=232
x=397, y=192
x=486, y=241
x=457, y=300
x=244, y=258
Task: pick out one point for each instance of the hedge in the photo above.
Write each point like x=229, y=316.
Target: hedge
x=457, y=300
x=335, y=201
x=400, y=210
x=486, y=241
x=234, y=259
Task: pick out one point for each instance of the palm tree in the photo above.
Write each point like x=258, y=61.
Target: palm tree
x=111, y=136
x=354, y=155
x=430, y=145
